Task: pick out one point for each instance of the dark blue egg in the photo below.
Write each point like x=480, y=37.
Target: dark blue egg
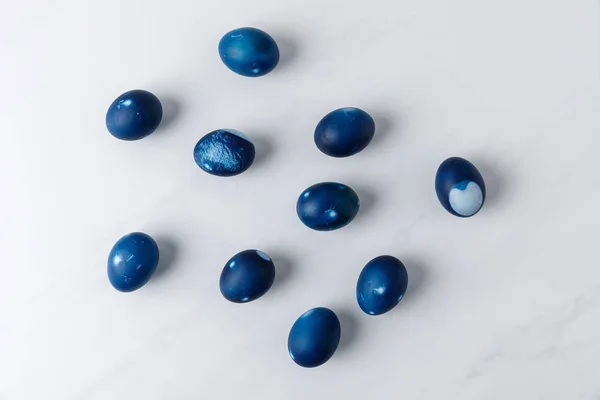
x=247, y=276
x=381, y=285
x=314, y=337
x=225, y=152
x=460, y=187
x=134, y=115
x=249, y=52
x=327, y=206
x=344, y=132
x=132, y=261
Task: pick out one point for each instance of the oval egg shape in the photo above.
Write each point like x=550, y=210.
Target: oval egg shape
x=381, y=285
x=134, y=115
x=327, y=206
x=344, y=132
x=224, y=152
x=132, y=261
x=247, y=276
x=249, y=52
x=460, y=187
x=314, y=337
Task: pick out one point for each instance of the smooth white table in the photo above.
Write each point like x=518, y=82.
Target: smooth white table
x=505, y=305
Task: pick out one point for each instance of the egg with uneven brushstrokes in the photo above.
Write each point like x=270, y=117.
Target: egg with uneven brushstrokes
x=314, y=337
x=249, y=52
x=381, y=285
x=247, y=276
x=134, y=115
x=344, y=132
x=224, y=152
x=327, y=206
x=460, y=187
x=132, y=261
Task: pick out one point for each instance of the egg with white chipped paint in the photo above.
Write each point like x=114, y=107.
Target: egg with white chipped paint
x=224, y=152
x=327, y=206
x=460, y=187
x=381, y=285
x=132, y=261
x=247, y=276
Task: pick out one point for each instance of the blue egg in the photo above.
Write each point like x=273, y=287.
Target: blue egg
x=381, y=285
x=134, y=115
x=249, y=52
x=247, y=276
x=132, y=261
x=225, y=152
x=344, y=132
x=460, y=187
x=314, y=337
x=327, y=206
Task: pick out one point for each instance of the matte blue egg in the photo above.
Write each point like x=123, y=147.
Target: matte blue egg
x=327, y=206
x=249, y=52
x=225, y=152
x=381, y=285
x=132, y=261
x=134, y=115
x=314, y=337
x=247, y=276
x=344, y=132
x=460, y=187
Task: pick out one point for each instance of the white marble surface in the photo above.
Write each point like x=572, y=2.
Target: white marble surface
x=505, y=305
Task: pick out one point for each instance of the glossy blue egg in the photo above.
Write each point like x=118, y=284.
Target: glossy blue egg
x=249, y=52
x=224, y=152
x=134, y=115
x=314, y=337
x=247, y=276
x=381, y=285
x=344, y=132
x=132, y=261
x=327, y=206
x=460, y=187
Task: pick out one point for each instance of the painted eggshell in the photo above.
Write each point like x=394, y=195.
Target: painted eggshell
x=224, y=152
x=327, y=206
x=132, y=261
x=247, y=276
x=460, y=187
x=381, y=285
x=249, y=52
x=344, y=132
x=134, y=115
x=314, y=337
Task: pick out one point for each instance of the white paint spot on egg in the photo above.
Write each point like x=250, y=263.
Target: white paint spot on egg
x=262, y=255
x=467, y=201
x=238, y=134
x=379, y=290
